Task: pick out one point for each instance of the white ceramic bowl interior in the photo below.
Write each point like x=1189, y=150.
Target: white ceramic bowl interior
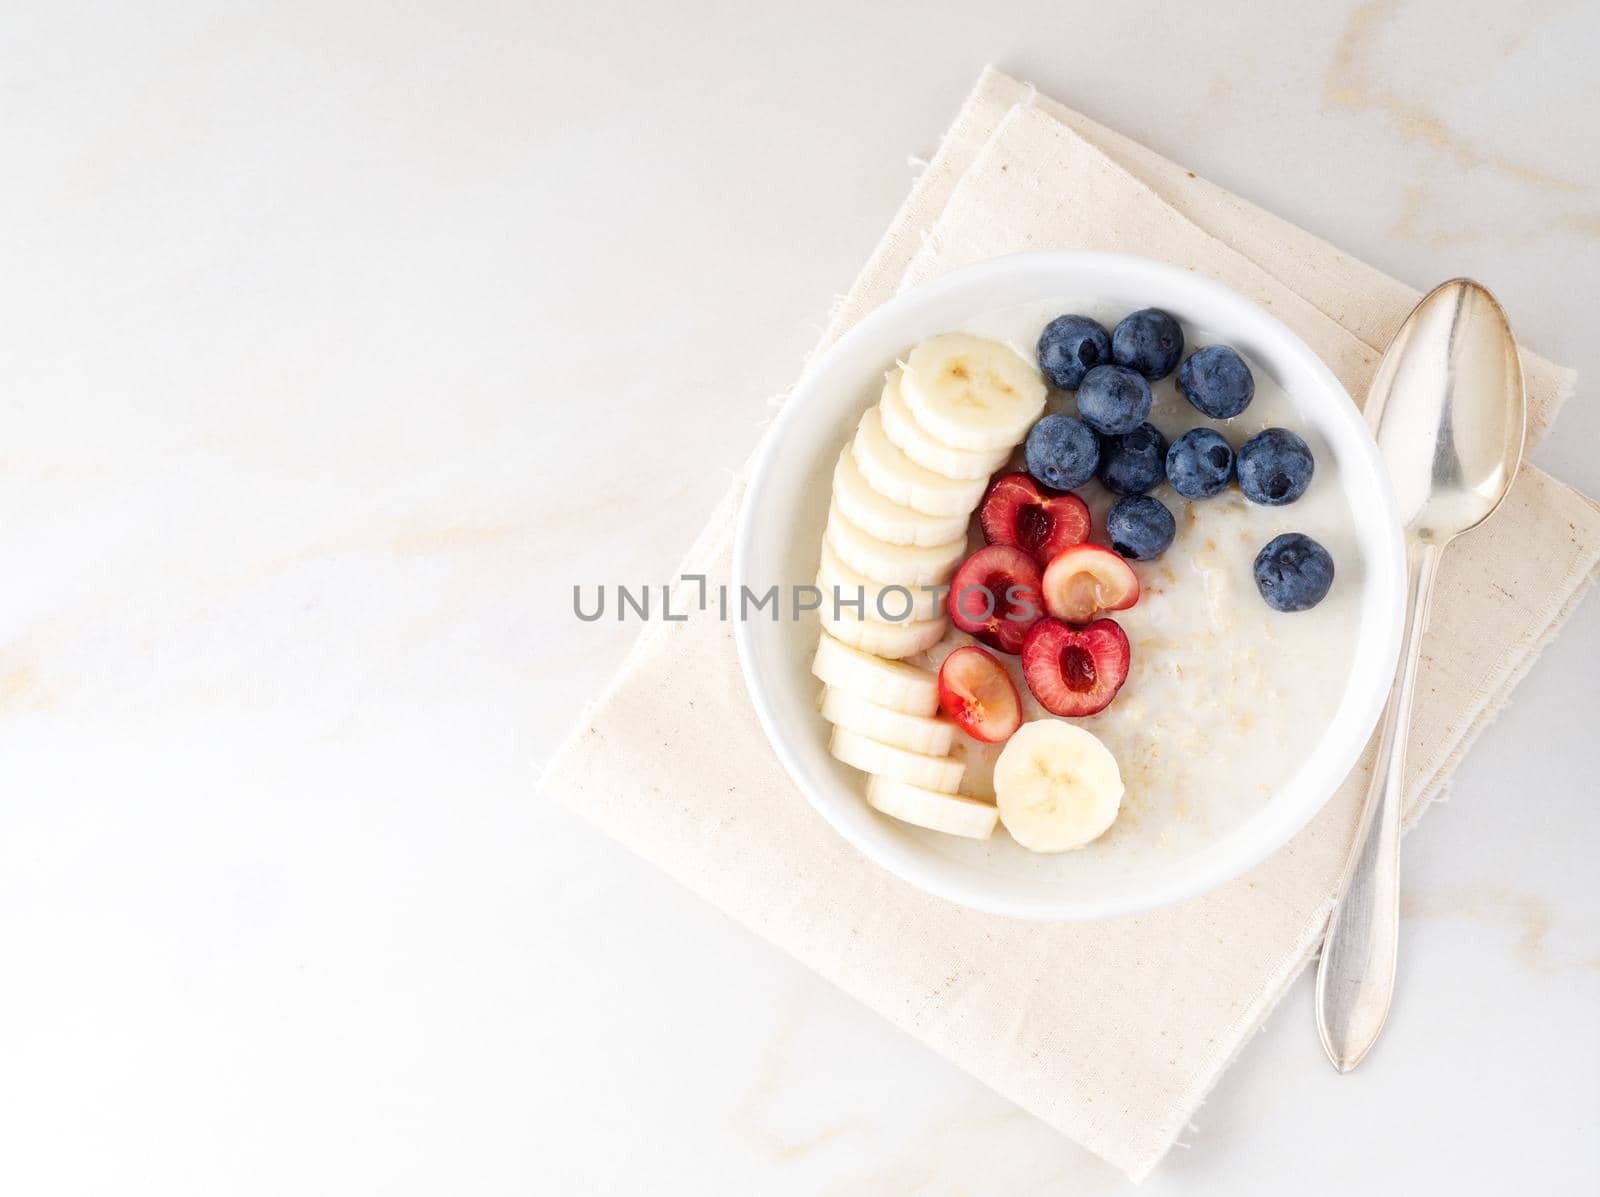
x=779, y=536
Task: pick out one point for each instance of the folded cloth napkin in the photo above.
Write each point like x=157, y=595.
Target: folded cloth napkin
x=1112, y=1032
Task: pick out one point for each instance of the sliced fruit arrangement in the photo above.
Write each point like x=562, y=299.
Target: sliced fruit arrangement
x=895, y=571
x=976, y=691
x=904, y=490
x=1057, y=786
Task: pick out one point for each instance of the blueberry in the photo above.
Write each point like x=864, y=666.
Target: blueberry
x=1062, y=452
x=1134, y=462
x=1140, y=527
x=1200, y=463
x=1148, y=341
x=1071, y=346
x=1113, y=400
x=1217, y=381
x=1274, y=467
x=1293, y=572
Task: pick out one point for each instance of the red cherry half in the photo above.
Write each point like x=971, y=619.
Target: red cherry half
x=1086, y=579
x=1019, y=512
x=995, y=597
x=976, y=691
x=1075, y=671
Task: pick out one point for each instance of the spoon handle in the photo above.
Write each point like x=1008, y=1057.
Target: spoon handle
x=1355, y=976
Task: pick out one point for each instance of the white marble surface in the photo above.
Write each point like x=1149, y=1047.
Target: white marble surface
x=337, y=340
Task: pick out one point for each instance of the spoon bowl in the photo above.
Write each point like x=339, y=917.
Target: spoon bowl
x=1447, y=409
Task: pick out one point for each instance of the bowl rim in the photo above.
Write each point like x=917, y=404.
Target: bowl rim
x=1253, y=840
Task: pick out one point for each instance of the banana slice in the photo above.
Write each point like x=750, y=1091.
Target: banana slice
x=892, y=640
x=972, y=393
x=908, y=436
x=892, y=684
x=893, y=564
x=1057, y=786
x=900, y=480
x=915, y=733
x=884, y=518
x=950, y=813
x=835, y=578
x=941, y=773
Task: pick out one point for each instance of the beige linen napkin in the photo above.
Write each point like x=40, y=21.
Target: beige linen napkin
x=1112, y=1032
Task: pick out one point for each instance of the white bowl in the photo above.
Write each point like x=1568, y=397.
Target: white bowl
x=780, y=534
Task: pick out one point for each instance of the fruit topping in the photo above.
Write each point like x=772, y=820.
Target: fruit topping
x=949, y=813
x=901, y=480
x=869, y=509
x=1293, y=572
x=927, y=450
x=891, y=564
x=891, y=640
x=1140, y=527
x=1071, y=346
x=1148, y=341
x=1134, y=462
x=1085, y=580
x=1057, y=787
x=1113, y=400
x=1217, y=381
x=893, y=684
x=1062, y=452
x=927, y=734
x=995, y=596
x=1200, y=464
x=970, y=393
x=1075, y=671
x=941, y=773
x=976, y=691
x=1275, y=467
x=1021, y=513
x=843, y=587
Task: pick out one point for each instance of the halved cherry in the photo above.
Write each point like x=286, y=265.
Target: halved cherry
x=1084, y=580
x=1019, y=512
x=976, y=691
x=1075, y=671
x=995, y=597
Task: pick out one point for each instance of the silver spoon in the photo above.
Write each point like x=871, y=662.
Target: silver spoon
x=1448, y=410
